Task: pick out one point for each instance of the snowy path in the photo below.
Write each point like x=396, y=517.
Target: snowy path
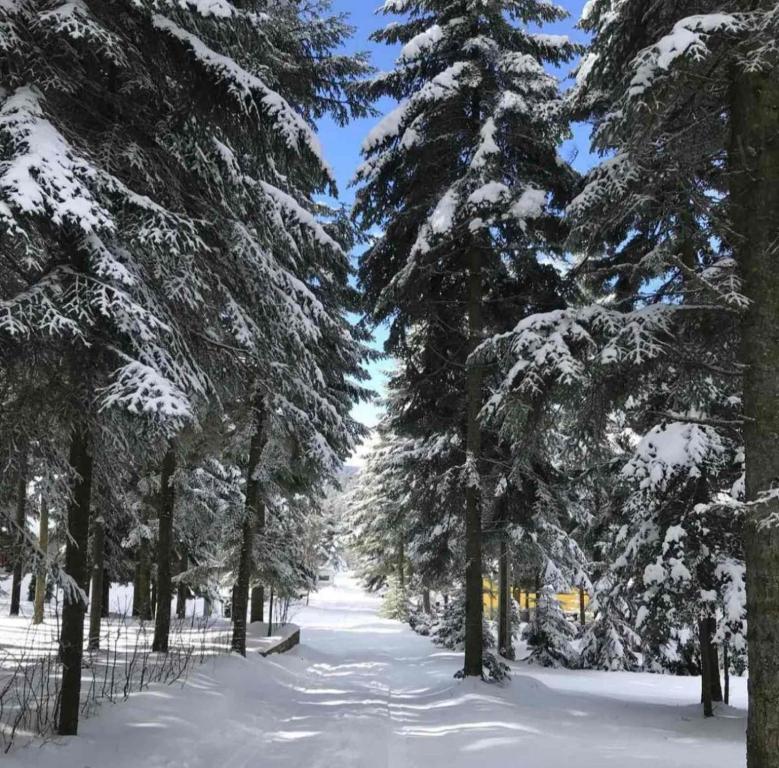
x=365, y=692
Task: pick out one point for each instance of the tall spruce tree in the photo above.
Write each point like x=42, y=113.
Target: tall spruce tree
x=660, y=221
x=380, y=510
x=463, y=177
x=681, y=157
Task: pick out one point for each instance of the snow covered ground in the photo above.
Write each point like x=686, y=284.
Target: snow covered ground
x=365, y=692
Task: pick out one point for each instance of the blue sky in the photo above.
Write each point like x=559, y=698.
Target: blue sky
x=342, y=144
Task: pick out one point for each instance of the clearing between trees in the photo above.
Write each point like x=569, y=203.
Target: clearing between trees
x=368, y=692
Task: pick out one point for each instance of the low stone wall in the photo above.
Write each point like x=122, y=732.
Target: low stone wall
x=283, y=645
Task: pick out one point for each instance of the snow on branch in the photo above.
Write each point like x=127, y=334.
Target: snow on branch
x=246, y=88
x=9, y=35
x=688, y=40
x=44, y=174
x=142, y=389
x=561, y=347
x=444, y=85
x=301, y=216
x=611, y=180
x=673, y=449
x=220, y=9
x=76, y=21
x=422, y=43
x=37, y=309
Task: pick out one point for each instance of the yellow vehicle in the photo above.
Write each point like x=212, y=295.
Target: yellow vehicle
x=569, y=601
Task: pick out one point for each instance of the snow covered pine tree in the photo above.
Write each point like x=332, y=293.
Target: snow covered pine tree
x=674, y=301
x=458, y=188
x=641, y=85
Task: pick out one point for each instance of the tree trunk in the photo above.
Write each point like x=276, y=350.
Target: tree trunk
x=40, y=576
x=257, y=604
x=105, y=603
x=21, y=524
x=182, y=590
x=254, y=510
x=136, y=586
x=538, y=589
x=142, y=591
x=241, y=591
x=401, y=566
x=96, y=594
x=75, y=603
x=164, y=552
x=754, y=201
x=715, y=685
x=704, y=636
x=270, y=612
x=505, y=647
x=726, y=672
x=426, y=601
x=582, y=607
x=473, y=565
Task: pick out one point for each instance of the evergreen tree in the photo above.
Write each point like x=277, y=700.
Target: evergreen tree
x=462, y=177
x=550, y=634
x=378, y=510
x=641, y=87
x=656, y=225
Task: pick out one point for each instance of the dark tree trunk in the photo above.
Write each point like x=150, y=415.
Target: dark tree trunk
x=21, y=523
x=40, y=576
x=142, y=600
x=473, y=566
x=505, y=646
x=136, y=588
x=241, y=590
x=582, y=607
x=74, y=607
x=105, y=604
x=704, y=636
x=726, y=672
x=402, y=566
x=142, y=603
x=181, y=601
x=165, y=552
x=31, y=590
x=182, y=590
x=96, y=593
x=270, y=612
x=257, y=604
x=754, y=200
x=254, y=509
x=426, y=600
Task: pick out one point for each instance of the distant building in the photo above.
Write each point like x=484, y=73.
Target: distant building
x=325, y=575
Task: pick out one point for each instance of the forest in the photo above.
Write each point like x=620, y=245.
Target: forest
x=550, y=281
